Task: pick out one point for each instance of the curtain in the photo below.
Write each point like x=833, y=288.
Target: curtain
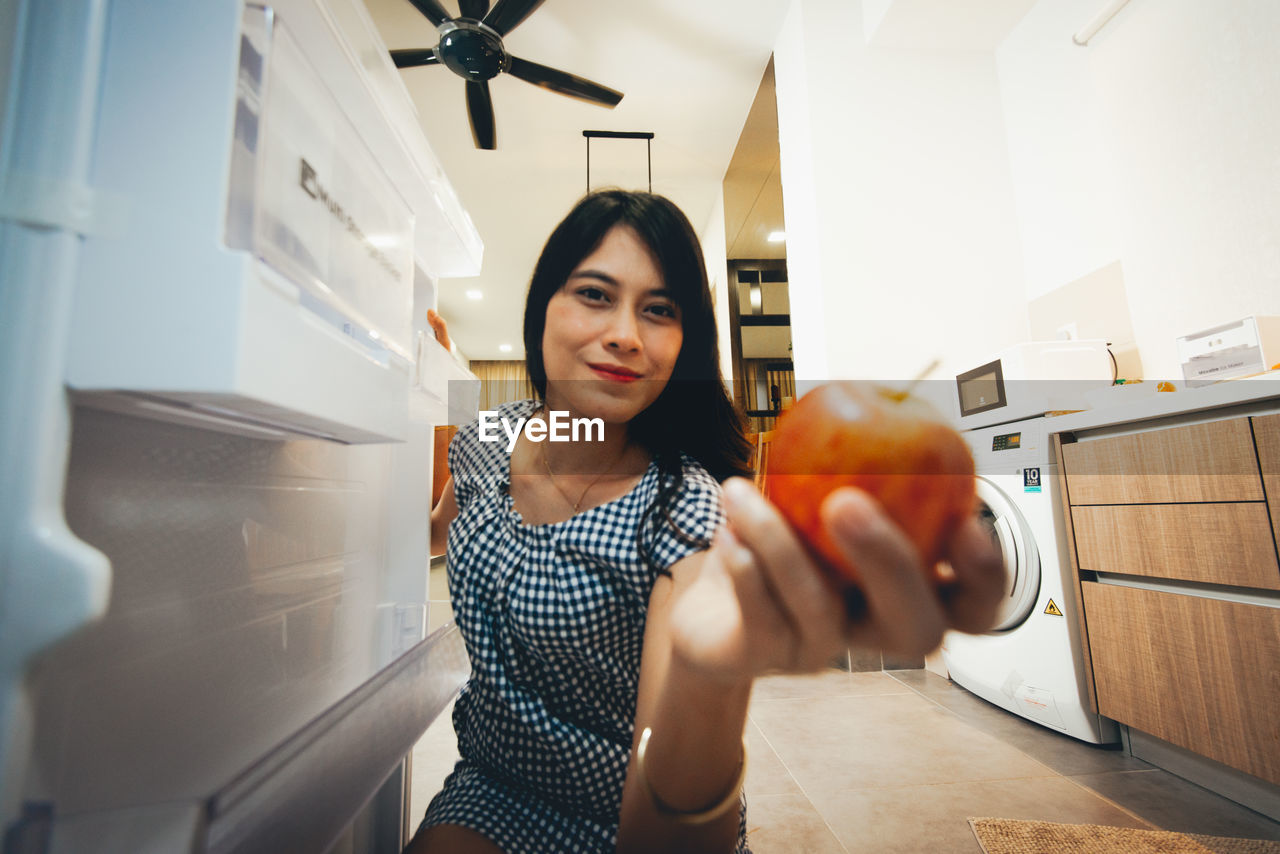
x=501, y=381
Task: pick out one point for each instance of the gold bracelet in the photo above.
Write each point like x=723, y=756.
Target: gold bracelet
x=711, y=813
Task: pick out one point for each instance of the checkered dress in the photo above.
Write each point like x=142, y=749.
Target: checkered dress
x=553, y=619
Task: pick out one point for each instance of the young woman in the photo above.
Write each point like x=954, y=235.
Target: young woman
x=614, y=622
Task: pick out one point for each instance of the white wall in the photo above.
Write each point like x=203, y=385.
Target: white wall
x=1063, y=177
x=1155, y=146
x=715, y=253
x=805, y=240
x=1188, y=93
x=902, y=244
x=931, y=195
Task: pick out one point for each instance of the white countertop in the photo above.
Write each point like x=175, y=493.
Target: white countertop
x=1128, y=404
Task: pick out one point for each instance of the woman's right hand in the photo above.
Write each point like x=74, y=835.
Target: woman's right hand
x=762, y=605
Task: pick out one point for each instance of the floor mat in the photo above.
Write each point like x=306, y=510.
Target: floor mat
x=1010, y=836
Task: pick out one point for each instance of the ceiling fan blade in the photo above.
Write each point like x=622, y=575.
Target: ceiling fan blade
x=432, y=10
x=474, y=9
x=480, y=111
x=413, y=57
x=508, y=14
x=563, y=82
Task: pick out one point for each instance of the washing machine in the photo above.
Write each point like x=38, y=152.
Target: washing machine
x=1031, y=663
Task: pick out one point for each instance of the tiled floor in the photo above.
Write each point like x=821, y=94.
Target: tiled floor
x=899, y=761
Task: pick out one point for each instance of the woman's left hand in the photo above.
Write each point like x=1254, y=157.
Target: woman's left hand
x=761, y=604
x=440, y=328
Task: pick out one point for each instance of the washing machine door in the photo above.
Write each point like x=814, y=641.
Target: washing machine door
x=1009, y=530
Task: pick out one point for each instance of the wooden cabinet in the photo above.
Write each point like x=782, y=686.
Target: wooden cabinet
x=1181, y=503
x=1172, y=532
x=1266, y=432
x=1215, y=543
x=1197, y=672
x=1200, y=462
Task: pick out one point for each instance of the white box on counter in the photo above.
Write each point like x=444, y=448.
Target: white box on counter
x=1247, y=346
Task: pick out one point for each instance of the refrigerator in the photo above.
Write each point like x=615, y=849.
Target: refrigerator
x=221, y=227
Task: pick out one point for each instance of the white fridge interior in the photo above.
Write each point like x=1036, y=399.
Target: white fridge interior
x=222, y=227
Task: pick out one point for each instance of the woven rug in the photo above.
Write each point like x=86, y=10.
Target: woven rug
x=1009, y=836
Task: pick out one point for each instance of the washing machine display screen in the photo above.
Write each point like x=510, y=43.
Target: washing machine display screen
x=1007, y=442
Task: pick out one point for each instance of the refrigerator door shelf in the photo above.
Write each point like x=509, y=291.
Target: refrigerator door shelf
x=301, y=794
x=444, y=392
x=272, y=206
x=308, y=196
x=244, y=355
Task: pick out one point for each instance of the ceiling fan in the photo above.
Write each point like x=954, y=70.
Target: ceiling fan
x=471, y=47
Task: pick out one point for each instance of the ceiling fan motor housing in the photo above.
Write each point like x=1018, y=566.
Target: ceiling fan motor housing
x=471, y=50
x=471, y=47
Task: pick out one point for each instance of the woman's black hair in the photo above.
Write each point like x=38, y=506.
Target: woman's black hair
x=693, y=414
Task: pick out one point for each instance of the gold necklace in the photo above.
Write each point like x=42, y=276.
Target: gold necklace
x=578, y=504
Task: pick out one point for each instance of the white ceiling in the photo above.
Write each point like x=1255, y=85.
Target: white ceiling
x=689, y=73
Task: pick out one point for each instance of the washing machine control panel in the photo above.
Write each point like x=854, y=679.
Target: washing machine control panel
x=1006, y=442
x=1010, y=447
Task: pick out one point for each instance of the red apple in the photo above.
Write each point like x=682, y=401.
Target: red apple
x=893, y=446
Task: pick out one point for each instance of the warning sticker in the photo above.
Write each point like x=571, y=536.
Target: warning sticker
x=1052, y=609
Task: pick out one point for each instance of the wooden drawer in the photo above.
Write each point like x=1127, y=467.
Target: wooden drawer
x=1211, y=543
x=1199, y=462
x=1200, y=673
x=1266, y=432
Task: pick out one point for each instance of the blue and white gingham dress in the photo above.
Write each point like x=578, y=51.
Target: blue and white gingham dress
x=553, y=619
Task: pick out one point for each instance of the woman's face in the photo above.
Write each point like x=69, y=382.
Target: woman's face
x=613, y=332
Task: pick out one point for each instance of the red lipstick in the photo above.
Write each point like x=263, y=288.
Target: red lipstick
x=616, y=373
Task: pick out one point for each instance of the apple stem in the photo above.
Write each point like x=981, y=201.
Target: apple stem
x=903, y=394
